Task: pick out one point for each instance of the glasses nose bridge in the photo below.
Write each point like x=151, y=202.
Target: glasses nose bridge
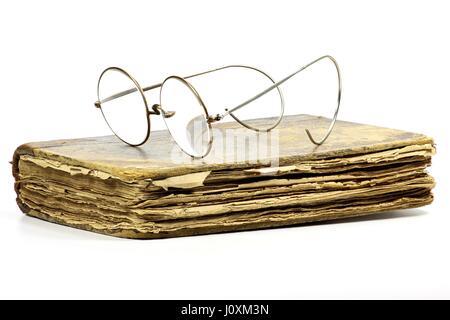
x=158, y=110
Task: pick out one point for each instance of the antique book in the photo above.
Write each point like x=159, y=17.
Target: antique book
x=156, y=191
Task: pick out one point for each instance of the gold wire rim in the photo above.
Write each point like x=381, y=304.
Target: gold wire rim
x=205, y=110
x=139, y=88
x=280, y=93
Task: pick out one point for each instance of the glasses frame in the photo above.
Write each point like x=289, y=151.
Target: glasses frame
x=156, y=109
x=137, y=88
x=200, y=101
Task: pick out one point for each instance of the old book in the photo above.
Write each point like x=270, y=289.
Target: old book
x=155, y=191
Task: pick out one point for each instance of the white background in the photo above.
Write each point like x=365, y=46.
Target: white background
x=395, y=62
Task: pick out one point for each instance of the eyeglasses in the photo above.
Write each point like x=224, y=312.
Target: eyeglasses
x=125, y=108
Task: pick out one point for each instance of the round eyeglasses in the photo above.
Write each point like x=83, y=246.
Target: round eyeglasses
x=125, y=109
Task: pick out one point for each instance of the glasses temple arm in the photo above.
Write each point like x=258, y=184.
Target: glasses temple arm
x=277, y=84
x=158, y=85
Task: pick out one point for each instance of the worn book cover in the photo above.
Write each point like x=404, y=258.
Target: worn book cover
x=248, y=181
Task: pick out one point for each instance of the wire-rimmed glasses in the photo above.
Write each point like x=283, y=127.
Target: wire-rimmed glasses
x=122, y=102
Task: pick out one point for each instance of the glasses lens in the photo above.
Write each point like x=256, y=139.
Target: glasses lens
x=232, y=85
x=123, y=106
x=188, y=125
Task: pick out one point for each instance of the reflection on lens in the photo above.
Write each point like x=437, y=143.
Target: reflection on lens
x=188, y=125
x=126, y=114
